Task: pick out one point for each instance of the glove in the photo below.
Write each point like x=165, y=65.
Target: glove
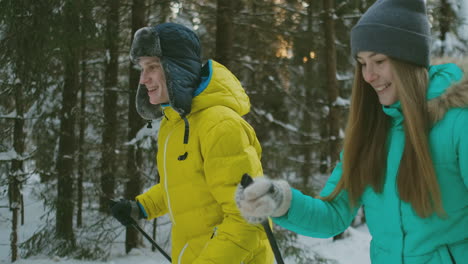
x=263, y=198
x=126, y=211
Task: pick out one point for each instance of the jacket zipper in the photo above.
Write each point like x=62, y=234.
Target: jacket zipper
x=179, y=260
x=451, y=256
x=165, y=177
x=214, y=232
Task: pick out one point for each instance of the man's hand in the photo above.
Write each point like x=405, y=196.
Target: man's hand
x=126, y=211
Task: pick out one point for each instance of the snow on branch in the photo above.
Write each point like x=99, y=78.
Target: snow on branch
x=288, y=127
x=12, y=155
x=9, y=155
x=144, y=135
x=341, y=102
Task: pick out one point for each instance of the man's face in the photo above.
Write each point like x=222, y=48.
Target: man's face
x=152, y=76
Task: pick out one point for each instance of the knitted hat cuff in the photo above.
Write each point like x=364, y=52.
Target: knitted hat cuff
x=398, y=43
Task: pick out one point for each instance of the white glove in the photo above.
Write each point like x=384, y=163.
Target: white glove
x=263, y=198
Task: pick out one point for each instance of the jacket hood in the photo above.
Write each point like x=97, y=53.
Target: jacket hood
x=220, y=87
x=179, y=50
x=446, y=91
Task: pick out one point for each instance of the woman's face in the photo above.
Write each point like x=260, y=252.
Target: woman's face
x=377, y=71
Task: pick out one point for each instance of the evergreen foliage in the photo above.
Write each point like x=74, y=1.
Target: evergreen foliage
x=70, y=60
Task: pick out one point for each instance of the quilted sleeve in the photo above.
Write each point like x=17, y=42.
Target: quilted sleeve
x=153, y=202
x=230, y=149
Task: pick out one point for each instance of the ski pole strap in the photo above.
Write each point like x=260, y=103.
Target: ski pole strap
x=246, y=181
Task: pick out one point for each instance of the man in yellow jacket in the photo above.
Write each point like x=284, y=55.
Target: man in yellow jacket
x=204, y=148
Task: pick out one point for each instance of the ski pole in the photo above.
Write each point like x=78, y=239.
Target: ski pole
x=246, y=181
x=137, y=227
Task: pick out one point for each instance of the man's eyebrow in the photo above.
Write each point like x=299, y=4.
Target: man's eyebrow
x=147, y=63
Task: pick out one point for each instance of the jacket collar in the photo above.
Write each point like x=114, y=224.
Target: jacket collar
x=170, y=113
x=445, y=91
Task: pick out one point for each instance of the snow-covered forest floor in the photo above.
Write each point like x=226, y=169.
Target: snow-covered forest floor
x=354, y=248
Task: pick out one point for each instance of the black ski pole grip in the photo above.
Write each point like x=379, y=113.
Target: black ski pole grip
x=246, y=180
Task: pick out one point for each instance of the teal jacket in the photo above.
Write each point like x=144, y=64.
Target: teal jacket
x=399, y=235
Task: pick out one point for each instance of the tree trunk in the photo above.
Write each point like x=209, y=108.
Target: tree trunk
x=155, y=225
x=224, y=32
x=332, y=84
x=332, y=87
x=16, y=173
x=81, y=140
x=310, y=83
x=165, y=7
x=445, y=20
x=66, y=152
x=135, y=122
x=109, y=135
x=86, y=18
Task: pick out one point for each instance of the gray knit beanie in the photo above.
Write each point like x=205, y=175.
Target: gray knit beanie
x=396, y=28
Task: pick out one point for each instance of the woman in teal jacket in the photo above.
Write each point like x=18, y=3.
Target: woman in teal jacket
x=405, y=155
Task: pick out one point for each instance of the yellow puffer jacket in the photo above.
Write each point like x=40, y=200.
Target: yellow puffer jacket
x=198, y=191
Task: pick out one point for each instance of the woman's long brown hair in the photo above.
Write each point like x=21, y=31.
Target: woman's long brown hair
x=365, y=150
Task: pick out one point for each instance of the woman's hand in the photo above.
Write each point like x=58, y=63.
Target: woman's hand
x=263, y=198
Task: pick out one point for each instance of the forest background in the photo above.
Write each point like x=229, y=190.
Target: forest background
x=70, y=135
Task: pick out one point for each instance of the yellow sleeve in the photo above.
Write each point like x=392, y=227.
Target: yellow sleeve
x=153, y=202
x=230, y=150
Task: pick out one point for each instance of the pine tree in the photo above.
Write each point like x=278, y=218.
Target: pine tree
x=109, y=134
x=67, y=145
x=134, y=154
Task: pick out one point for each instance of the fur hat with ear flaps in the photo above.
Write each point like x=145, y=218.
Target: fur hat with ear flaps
x=179, y=50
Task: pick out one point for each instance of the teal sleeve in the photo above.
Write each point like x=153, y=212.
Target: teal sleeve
x=461, y=139
x=317, y=218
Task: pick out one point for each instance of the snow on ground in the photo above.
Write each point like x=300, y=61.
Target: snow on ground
x=144, y=256
x=353, y=249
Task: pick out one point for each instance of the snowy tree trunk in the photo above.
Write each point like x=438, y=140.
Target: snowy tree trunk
x=310, y=82
x=82, y=125
x=66, y=154
x=155, y=225
x=109, y=135
x=332, y=84
x=224, y=31
x=16, y=173
x=463, y=15
x=14, y=192
x=135, y=122
x=446, y=19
